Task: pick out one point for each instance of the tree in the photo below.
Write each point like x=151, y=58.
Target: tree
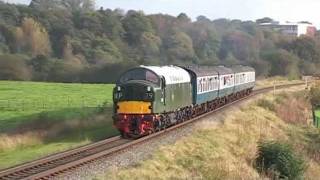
x=14, y=67
x=33, y=38
x=264, y=20
x=105, y=52
x=203, y=19
x=47, y=5
x=41, y=66
x=135, y=24
x=305, y=48
x=183, y=17
x=282, y=63
x=90, y=21
x=8, y=37
x=111, y=25
x=9, y=14
x=205, y=42
x=180, y=48
x=240, y=44
x=150, y=45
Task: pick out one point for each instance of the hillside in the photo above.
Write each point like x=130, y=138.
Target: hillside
x=227, y=149
x=70, y=41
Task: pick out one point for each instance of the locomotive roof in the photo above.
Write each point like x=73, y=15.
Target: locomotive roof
x=239, y=69
x=172, y=74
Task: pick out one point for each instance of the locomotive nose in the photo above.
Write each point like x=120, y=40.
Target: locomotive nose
x=133, y=98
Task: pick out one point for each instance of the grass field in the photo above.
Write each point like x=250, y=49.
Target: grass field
x=19, y=101
x=37, y=119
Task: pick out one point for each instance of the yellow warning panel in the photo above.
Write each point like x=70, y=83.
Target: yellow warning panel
x=134, y=107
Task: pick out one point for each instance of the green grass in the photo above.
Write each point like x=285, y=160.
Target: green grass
x=318, y=113
x=23, y=101
x=38, y=119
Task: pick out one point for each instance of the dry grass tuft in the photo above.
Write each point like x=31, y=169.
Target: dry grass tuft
x=8, y=143
x=294, y=109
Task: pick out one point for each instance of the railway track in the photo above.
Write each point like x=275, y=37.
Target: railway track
x=66, y=161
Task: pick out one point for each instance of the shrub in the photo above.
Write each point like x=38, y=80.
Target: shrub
x=278, y=161
x=267, y=104
x=14, y=67
x=314, y=95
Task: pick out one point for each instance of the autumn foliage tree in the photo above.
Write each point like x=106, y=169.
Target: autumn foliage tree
x=32, y=38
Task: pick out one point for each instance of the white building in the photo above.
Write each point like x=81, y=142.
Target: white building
x=294, y=29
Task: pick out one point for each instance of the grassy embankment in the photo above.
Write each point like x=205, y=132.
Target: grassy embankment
x=37, y=119
x=277, y=80
x=227, y=150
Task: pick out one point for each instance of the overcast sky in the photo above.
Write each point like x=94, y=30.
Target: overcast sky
x=282, y=10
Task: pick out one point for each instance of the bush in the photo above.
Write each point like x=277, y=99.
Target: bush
x=14, y=67
x=266, y=104
x=278, y=161
x=314, y=95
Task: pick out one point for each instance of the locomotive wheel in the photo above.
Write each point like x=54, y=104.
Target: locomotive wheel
x=125, y=135
x=157, y=126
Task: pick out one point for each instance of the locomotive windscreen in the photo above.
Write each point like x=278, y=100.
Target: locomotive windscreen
x=140, y=74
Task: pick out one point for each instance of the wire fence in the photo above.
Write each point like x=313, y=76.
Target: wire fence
x=52, y=104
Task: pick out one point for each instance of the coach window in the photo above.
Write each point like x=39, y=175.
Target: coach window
x=205, y=84
x=202, y=85
x=237, y=79
x=232, y=80
x=217, y=83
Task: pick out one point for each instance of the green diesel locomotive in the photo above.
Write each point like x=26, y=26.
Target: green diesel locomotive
x=150, y=98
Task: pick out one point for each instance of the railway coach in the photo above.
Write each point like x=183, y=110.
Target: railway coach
x=151, y=98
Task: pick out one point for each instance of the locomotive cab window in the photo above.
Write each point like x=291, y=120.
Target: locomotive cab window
x=140, y=74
